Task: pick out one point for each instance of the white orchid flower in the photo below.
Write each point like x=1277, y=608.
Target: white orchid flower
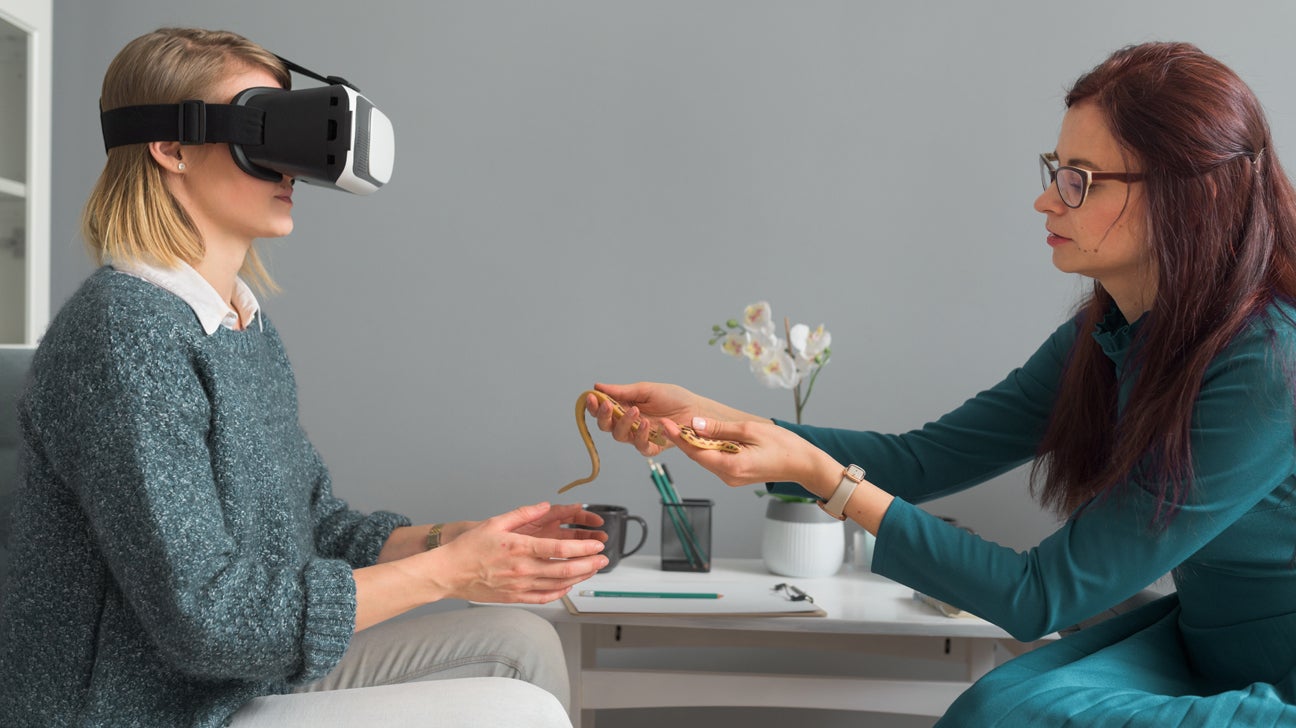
x=759, y=319
x=807, y=344
x=758, y=347
x=734, y=344
x=776, y=370
x=774, y=361
x=797, y=337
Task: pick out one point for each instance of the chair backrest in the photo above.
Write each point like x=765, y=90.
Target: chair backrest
x=15, y=361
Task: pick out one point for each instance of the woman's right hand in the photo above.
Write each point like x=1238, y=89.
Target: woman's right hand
x=498, y=561
x=519, y=556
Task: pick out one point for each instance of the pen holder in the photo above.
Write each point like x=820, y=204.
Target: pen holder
x=686, y=535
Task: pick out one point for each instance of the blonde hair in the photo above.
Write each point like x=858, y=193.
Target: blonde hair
x=131, y=215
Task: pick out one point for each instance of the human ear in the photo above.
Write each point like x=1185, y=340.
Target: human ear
x=167, y=156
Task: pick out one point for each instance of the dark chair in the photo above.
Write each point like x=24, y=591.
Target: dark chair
x=15, y=361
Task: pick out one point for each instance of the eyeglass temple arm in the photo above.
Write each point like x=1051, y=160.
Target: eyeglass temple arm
x=1052, y=158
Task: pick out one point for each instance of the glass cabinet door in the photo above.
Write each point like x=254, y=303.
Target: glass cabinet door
x=13, y=183
x=24, y=170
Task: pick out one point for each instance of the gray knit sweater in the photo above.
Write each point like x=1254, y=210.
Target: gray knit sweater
x=177, y=547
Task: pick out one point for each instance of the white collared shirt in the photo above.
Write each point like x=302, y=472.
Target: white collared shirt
x=188, y=284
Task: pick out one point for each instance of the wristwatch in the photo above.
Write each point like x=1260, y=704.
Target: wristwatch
x=852, y=476
x=434, y=536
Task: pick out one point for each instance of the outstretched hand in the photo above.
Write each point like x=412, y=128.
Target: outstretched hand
x=522, y=556
x=647, y=405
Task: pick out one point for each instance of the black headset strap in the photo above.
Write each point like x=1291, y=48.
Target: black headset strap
x=189, y=122
x=330, y=80
x=193, y=122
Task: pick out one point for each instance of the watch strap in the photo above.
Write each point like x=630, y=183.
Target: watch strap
x=851, y=478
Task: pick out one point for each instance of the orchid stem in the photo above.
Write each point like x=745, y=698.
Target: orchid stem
x=796, y=391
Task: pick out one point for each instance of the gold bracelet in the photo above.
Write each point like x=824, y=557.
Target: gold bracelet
x=434, y=536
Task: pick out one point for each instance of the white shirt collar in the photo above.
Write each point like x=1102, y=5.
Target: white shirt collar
x=186, y=283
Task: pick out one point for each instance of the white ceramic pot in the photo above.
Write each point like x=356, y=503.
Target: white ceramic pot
x=799, y=539
x=862, y=544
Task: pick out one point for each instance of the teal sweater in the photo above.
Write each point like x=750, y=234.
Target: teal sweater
x=1231, y=547
x=177, y=548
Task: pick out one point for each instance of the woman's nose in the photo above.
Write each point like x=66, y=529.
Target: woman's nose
x=1049, y=201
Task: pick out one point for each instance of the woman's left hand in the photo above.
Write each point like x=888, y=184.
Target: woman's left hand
x=411, y=540
x=769, y=453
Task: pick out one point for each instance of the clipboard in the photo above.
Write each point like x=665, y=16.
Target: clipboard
x=948, y=610
x=738, y=600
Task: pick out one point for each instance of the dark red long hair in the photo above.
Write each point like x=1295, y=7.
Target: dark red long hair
x=1221, y=231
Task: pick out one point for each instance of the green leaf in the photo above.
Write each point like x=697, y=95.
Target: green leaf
x=786, y=498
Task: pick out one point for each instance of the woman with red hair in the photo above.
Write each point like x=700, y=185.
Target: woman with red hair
x=1160, y=420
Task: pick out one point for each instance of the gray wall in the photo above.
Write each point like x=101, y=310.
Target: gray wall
x=583, y=188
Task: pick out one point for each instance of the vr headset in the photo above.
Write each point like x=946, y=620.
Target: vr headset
x=331, y=136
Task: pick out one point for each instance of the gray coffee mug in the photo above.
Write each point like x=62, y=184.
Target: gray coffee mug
x=614, y=525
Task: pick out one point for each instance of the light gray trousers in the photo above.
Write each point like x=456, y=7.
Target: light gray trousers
x=475, y=667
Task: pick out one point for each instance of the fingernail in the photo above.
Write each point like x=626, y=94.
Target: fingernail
x=699, y=423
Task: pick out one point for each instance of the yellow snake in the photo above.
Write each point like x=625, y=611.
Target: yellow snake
x=656, y=437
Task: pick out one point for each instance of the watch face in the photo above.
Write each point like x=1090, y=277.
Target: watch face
x=855, y=473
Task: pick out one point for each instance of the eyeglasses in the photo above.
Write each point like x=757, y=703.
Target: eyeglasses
x=1073, y=182
x=793, y=593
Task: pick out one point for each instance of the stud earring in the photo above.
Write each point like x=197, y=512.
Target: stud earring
x=180, y=167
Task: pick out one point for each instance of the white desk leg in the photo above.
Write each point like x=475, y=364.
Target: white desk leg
x=980, y=658
x=578, y=643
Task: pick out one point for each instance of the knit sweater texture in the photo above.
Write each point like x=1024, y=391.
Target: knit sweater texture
x=177, y=549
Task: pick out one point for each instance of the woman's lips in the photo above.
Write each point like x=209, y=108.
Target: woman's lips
x=1055, y=240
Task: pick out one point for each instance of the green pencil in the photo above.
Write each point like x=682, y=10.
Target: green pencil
x=650, y=595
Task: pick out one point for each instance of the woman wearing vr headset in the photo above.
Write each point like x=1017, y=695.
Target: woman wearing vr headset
x=1160, y=419
x=178, y=555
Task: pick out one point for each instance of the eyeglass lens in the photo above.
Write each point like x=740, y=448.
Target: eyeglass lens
x=1070, y=182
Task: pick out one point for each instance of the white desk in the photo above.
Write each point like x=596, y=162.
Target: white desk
x=866, y=614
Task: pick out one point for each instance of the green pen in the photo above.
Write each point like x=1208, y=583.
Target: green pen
x=677, y=516
x=688, y=537
x=650, y=595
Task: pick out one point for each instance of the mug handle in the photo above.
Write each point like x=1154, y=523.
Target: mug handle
x=643, y=534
